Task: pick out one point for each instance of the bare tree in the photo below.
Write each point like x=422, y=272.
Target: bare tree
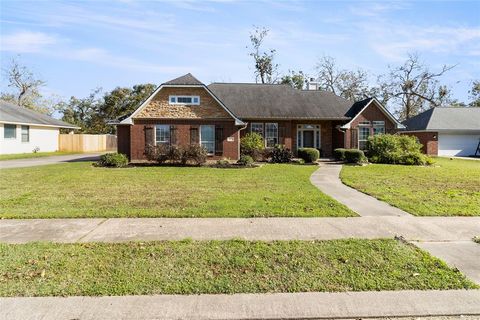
x=265, y=68
x=349, y=84
x=25, y=85
x=413, y=87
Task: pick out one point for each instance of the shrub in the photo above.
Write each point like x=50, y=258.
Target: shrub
x=158, y=153
x=396, y=149
x=309, y=154
x=339, y=154
x=245, y=160
x=252, y=144
x=355, y=156
x=195, y=153
x=117, y=160
x=223, y=163
x=280, y=154
x=162, y=153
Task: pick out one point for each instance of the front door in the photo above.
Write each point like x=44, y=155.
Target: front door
x=308, y=139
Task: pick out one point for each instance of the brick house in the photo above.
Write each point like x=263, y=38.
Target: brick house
x=186, y=111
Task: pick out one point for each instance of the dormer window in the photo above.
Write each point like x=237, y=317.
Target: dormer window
x=187, y=100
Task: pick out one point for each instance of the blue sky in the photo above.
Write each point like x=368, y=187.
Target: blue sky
x=78, y=46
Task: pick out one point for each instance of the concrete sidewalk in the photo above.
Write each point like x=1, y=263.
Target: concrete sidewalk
x=148, y=229
x=327, y=180
x=247, y=306
x=32, y=162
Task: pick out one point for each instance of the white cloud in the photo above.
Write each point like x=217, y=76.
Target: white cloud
x=103, y=57
x=394, y=41
x=26, y=41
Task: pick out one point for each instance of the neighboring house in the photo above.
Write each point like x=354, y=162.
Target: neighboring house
x=184, y=111
x=446, y=131
x=23, y=130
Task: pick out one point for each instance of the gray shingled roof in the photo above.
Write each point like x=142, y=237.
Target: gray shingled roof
x=277, y=101
x=16, y=114
x=187, y=79
x=446, y=118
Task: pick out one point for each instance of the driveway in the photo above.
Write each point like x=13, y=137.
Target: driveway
x=20, y=163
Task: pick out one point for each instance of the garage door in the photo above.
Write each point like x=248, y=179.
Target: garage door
x=457, y=144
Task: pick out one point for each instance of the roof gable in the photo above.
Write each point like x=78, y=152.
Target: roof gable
x=10, y=113
x=358, y=107
x=185, y=80
x=446, y=118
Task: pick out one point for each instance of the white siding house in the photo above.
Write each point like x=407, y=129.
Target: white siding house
x=24, y=131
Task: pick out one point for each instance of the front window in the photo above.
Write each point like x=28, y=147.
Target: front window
x=257, y=128
x=162, y=134
x=363, y=134
x=271, y=134
x=378, y=127
x=25, y=133
x=9, y=131
x=207, y=138
x=190, y=100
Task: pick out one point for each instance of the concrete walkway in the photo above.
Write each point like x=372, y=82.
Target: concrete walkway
x=247, y=306
x=463, y=255
x=31, y=162
x=327, y=179
x=439, y=229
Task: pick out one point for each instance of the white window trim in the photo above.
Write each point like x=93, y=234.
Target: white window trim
x=258, y=123
x=21, y=134
x=265, y=133
x=316, y=129
x=200, y=137
x=358, y=135
x=155, y=133
x=181, y=103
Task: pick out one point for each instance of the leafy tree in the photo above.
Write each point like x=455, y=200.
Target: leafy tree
x=94, y=112
x=295, y=79
x=349, y=84
x=80, y=111
x=414, y=87
x=265, y=68
x=475, y=94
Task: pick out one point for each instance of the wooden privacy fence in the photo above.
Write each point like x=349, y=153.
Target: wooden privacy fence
x=87, y=142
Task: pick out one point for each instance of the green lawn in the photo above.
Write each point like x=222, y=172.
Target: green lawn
x=449, y=188
x=33, y=155
x=234, y=266
x=81, y=190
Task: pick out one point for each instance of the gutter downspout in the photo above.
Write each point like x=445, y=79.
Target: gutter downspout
x=242, y=128
x=339, y=128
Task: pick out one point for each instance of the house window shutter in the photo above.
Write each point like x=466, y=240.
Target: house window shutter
x=353, y=138
x=281, y=134
x=194, y=136
x=149, y=135
x=218, y=140
x=173, y=135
